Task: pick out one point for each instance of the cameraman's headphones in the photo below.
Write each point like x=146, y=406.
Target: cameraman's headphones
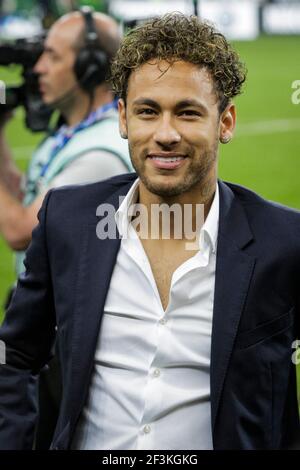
x=92, y=64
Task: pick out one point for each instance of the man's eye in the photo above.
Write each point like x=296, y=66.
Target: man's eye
x=189, y=112
x=52, y=56
x=146, y=111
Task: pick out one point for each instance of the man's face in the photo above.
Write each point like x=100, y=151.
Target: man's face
x=172, y=121
x=55, y=66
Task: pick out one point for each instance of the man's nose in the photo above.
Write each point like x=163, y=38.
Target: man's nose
x=39, y=67
x=166, y=133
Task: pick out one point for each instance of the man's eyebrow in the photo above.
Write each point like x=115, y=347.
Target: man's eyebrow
x=147, y=102
x=178, y=106
x=50, y=49
x=190, y=102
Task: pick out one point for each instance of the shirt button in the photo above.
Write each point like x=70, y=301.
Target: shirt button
x=163, y=321
x=147, y=429
x=156, y=373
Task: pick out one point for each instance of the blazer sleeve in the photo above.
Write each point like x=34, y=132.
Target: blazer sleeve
x=26, y=337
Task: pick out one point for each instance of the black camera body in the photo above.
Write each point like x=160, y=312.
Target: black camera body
x=25, y=52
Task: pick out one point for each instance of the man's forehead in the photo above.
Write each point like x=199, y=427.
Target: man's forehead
x=61, y=35
x=179, y=75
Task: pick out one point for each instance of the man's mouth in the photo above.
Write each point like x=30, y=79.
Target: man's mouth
x=42, y=87
x=167, y=161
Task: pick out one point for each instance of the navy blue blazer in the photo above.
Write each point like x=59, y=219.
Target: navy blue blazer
x=255, y=319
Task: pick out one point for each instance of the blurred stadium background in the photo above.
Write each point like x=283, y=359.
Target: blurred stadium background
x=265, y=154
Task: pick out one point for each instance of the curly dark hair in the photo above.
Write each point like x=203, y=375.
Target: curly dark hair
x=174, y=37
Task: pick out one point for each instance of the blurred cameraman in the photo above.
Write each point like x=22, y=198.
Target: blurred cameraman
x=72, y=72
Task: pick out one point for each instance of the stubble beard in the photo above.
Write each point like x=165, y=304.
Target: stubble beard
x=198, y=174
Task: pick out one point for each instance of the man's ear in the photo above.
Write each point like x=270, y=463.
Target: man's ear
x=227, y=123
x=122, y=118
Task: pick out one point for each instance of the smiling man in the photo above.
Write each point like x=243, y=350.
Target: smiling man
x=174, y=124
x=171, y=115
x=162, y=347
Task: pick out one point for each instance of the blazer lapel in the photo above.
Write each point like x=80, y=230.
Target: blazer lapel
x=97, y=261
x=233, y=274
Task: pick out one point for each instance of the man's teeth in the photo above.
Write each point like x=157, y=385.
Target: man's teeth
x=168, y=159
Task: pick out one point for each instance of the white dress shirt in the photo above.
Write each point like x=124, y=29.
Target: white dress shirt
x=150, y=387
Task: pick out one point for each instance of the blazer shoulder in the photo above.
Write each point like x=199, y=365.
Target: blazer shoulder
x=79, y=202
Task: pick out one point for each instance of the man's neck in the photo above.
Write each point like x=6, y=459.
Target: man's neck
x=82, y=107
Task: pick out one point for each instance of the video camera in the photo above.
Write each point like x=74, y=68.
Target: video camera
x=25, y=52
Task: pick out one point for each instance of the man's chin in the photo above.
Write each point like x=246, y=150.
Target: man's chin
x=164, y=190
x=46, y=100
x=167, y=192
x=52, y=103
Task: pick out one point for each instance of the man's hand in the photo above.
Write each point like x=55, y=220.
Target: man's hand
x=10, y=176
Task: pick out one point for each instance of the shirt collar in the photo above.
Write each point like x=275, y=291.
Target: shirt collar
x=122, y=217
x=208, y=232
x=211, y=224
